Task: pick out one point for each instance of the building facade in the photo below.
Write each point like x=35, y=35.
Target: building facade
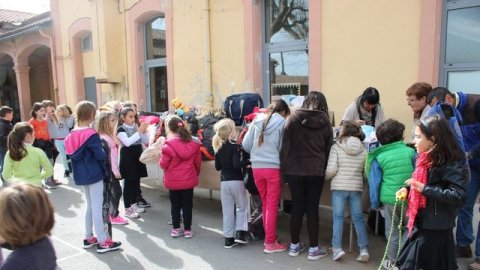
x=151, y=51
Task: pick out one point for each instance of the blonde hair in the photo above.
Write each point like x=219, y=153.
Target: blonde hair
x=224, y=131
x=103, y=124
x=64, y=110
x=27, y=214
x=85, y=111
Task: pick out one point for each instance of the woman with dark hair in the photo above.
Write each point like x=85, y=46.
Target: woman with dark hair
x=366, y=110
x=306, y=144
x=437, y=191
x=263, y=141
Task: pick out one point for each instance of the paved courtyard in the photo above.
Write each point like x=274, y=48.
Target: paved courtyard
x=146, y=243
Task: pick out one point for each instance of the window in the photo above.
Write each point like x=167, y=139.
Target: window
x=460, y=62
x=87, y=43
x=285, y=47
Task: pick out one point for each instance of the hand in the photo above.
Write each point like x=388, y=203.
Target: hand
x=360, y=122
x=143, y=127
x=401, y=194
x=417, y=185
x=118, y=176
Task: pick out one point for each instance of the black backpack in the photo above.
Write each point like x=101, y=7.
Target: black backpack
x=205, y=134
x=240, y=105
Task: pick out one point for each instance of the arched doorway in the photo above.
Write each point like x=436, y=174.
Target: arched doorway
x=40, y=75
x=8, y=86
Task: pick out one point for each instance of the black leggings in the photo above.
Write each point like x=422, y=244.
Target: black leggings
x=115, y=194
x=305, y=192
x=181, y=200
x=131, y=191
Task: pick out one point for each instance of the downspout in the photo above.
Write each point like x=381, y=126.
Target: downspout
x=53, y=56
x=208, y=60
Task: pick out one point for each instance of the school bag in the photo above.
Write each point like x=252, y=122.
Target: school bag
x=453, y=117
x=205, y=134
x=240, y=105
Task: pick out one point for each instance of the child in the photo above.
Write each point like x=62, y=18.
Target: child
x=438, y=189
x=228, y=160
x=88, y=162
x=27, y=220
x=6, y=116
x=53, y=126
x=107, y=122
x=345, y=168
x=42, y=138
x=263, y=141
x=181, y=161
x=387, y=168
x=23, y=162
x=131, y=136
x=65, y=124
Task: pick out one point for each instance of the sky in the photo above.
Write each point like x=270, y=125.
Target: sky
x=32, y=6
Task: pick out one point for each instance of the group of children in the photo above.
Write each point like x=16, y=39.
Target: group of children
x=98, y=165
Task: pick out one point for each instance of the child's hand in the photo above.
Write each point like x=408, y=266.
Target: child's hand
x=143, y=127
x=118, y=176
x=401, y=194
x=417, y=185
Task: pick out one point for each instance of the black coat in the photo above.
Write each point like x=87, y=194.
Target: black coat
x=5, y=128
x=446, y=192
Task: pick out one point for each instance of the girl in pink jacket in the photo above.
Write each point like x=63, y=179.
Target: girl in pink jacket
x=180, y=161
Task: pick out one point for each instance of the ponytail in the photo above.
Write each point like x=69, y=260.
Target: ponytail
x=16, y=147
x=224, y=131
x=175, y=124
x=277, y=106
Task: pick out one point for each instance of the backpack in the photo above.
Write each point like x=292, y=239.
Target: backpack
x=205, y=134
x=453, y=117
x=240, y=105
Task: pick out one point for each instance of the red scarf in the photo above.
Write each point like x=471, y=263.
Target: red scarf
x=415, y=199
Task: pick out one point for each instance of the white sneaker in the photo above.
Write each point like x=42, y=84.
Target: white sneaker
x=137, y=209
x=130, y=213
x=388, y=265
x=337, y=253
x=363, y=256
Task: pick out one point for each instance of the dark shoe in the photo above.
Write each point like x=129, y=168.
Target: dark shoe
x=475, y=265
x=66, y=174
x=107, y=246
x=90, y=242
x=230, y=242
x=463, y=252
x=142, y=203
x=242, y=237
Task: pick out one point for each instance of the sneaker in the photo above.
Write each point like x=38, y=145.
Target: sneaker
x=363, y=256
x=137, y=209
x=315, y=253
x=463, y=252
x=295, y=249
x=142, y=203
x=130, y=213
x=274, y=247
x=230, y=242
x=107, y=246
x=242, y=237
x=48, y=185
x=66, y=174
x=188, y=234
x=118, y=220
x=55, y=182
x=475, y=265
x=337, y=253
x=90, y=242
x=176, y=232
x=388, y=265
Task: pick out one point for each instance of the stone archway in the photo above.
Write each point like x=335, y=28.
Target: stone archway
x=8, y=85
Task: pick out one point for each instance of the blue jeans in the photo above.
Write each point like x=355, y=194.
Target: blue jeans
x=339, y=198
x=60, y=145
x=464, y=234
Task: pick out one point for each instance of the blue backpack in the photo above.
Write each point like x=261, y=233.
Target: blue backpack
x=240, y=105
x=453, y=117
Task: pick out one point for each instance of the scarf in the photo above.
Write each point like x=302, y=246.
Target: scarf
x=415, y=199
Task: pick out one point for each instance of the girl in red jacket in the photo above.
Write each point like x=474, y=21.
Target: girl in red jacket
x=180, y=161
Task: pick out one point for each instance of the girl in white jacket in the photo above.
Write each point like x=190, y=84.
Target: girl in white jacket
x=345, y=168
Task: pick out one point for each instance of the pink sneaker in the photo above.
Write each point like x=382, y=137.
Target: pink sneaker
x=188, y=234
x=130, y=213
x=118, y=220
x=274, y=247
x=108, y=245
x=176, y=232
x=90, y=242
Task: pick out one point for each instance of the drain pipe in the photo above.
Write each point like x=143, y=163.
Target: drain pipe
x=208, y=59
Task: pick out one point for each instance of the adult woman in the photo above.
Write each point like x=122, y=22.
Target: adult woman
x=417, y=99
x=437, y=192
x=306, y=144
x=366, y=110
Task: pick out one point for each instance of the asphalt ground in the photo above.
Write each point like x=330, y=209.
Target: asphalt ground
x=146, y=242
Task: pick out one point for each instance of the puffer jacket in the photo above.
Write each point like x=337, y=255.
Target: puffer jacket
x=345, y=165
x=446, y=194
x=181, y=163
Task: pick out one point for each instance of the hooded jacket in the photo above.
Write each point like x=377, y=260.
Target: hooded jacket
x=181, y=162
x=345, y=165
x=267, y=155
x=306, y=145
x=88, y=158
